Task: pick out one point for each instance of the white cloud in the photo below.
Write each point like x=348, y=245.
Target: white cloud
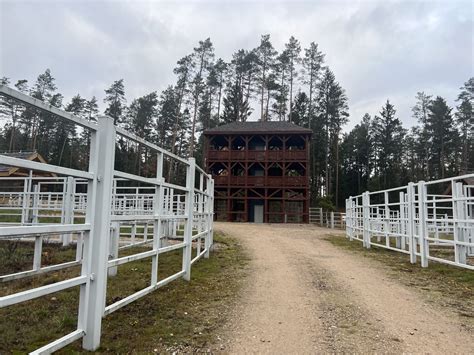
x=377, y=49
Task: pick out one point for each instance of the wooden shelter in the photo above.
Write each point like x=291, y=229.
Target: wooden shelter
x=13, y=171
x=260, y=170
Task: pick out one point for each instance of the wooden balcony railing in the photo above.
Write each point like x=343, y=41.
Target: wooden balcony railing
x=257, y=155
x=261, y=181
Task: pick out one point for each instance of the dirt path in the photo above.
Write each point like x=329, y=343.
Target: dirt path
x=307, y=296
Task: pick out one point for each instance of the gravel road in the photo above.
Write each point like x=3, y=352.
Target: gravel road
x=305, y=295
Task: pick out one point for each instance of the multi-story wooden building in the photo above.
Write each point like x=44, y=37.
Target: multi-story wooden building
x=260, y=170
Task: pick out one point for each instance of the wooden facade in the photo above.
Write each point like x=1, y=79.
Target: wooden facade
x=260, y=170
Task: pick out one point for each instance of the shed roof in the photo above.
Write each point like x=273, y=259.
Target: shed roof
x=258, y=127
x=7, y=170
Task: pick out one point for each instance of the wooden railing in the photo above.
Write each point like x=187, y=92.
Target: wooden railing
x=261, y=181
x=258, y=155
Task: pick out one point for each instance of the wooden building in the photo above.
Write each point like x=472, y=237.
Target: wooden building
x=260, y=170
x=13, y=171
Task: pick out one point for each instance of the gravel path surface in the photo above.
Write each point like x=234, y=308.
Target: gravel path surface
x=306, y=296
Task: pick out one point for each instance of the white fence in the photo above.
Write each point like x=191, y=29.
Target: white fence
x=107, y=213
x=326, y=218
x=430, y=220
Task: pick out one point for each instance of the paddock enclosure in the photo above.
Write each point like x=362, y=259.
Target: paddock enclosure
x=102, y=211
x=328, y=219
x=428, y=220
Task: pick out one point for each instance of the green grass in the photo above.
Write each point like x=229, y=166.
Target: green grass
x=445, y=285
x=16, y=255
x=14, y=216
x=179, y=315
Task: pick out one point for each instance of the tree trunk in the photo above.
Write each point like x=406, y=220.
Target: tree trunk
x=337, y=171
x=290, y=116
x=262, y=117
x=196, y=105
x=310, y=108
x=219, y=100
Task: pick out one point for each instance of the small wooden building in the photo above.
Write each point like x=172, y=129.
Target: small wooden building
x=13, y=171
x=260, y=170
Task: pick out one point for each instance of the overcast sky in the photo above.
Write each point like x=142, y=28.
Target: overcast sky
x=377, y=49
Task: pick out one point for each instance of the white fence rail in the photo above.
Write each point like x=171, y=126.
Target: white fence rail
x=107, y=213
x=427, y=220
x=327, y=219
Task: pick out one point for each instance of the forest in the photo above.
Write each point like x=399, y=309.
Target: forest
x=295, y=85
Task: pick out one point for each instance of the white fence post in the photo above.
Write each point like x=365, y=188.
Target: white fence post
x=36, y=204
x=411, y=210
x=157, y=213
x=348, y=218
x=211, y=204
x=469, y=192
x=366, y=216
x=332, y=220
x=459, y=213
x=423, y=227
x=188, y=228
x=114, y=246
x=102, y=165
x=25, y=213
x=416, y=219
x=68, y=205
x=352, y=217
x=386, y=224
x=200, y=211
x=208, y=208
x=402, y=226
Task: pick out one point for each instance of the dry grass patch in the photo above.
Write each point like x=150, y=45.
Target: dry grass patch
x=182, y=316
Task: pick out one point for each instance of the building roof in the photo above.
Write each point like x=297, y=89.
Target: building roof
x=466, y=181
x=258, y=127
x=7, y=170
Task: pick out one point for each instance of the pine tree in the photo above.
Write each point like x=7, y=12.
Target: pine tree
x=333, y=113
x=420, y=113
x=440, y=126
x=250, y=72
x=10, y=111
x=166, y=117
x=91, y=109
x=183, y=71
x=236, y=108
x=40, y=124
x=312, y=64
x=266, y=56
x=141, y=119
x=65, y=135
x=387, y=136
x=220, y=69
x=236, y=104
x=115, y=99
x=282, y=68
x=202, y=56
x=300, y=108
x=465, y=121
x=293, y=49
x=355, y=162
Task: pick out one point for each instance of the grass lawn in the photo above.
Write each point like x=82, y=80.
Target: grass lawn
x=181, y=316
x=446, y=285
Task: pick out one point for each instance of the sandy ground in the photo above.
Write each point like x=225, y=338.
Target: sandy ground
x=306, y=296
